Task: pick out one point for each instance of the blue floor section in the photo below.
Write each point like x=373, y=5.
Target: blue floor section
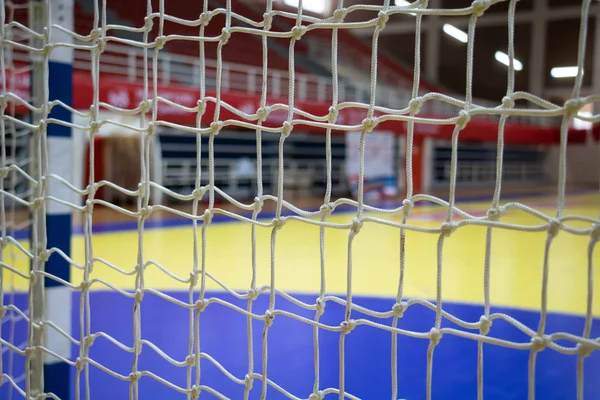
x=290, y=362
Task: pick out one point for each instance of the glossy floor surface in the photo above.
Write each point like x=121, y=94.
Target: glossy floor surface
x=515, y=289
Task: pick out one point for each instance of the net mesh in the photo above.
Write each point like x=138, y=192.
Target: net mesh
x=16, y=204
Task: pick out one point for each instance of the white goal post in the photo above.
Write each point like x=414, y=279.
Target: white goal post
x=40, y=262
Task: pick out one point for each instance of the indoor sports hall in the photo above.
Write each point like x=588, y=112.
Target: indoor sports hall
x=299, y=199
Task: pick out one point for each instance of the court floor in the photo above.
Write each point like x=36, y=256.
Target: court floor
x=515, y=289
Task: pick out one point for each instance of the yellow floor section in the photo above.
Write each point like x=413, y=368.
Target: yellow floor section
x=516, y=268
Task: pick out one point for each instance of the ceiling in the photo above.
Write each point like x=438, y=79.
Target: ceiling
x=489, y=76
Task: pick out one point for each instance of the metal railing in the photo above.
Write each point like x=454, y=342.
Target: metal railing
x=127, y=62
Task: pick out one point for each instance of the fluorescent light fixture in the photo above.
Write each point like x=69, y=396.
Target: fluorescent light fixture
x=455, y=33
x=316, y=6
x=503, y=58
x=564, y=72
x=403, y=3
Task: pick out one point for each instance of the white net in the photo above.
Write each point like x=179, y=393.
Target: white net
x=23, y=192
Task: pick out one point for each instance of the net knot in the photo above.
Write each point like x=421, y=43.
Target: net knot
x=298, y=31
x=267, y=21
x=407, y=207
x=145, y=211
x=139, y=295
x=332, y=115
x=79, y=363
x=3, y=102
x=101, y=45
x=145, y=106
x=356, y=225
x=480, y=7
x=207, y=216
x=198, y=193
x=253, y=294
x=89, y=341
x=484, y=325
x=382, y=19
x=415, y=105
x=4, y=172
x=348, y=326
x=159, y=42
x=539, y=343
x=248, y=382
x=262, y=113
x=201, y=105
x=595, y=235
x=286, y=129
x=41, y=126
x=278, y=223
x=151, y=130
x=195, y=391
x=320, y=307
x=508, y=102
x=201, y=304
x=225, y=35
x=135, y=376
x=368, y=124
x=572, y=106
x=585, y=349
x=95, y=34
x=398, y=309
x=494, y=214
x=43, y=256
x=339, y=15
x=36, y=203
x=85, y=285
x=326, y=209
x=205, y=18
x=215, y=127
x=95, y=126
x=258, y=204
x=269, y=317
x=554, y=226
x=317, y=395
x=447, y=228
x=463, y=119
x=2, y=311
x=435, y=336
x=148, y=24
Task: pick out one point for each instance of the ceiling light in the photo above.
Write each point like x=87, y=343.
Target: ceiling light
x=316, y=6
x=564, y=72
x=455, y=33
x=504, y=59
x=403, y=3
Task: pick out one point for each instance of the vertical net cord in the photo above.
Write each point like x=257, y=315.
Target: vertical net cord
x=143, y=208
x=326, y=208
x=193, y=360
x=448, y=226
x=568, y=116
x=368, y=125
x=286, y=130
x=258, y=200
x=494, y=213
x=407, y=204
x=84, y=296
x=3, y=168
